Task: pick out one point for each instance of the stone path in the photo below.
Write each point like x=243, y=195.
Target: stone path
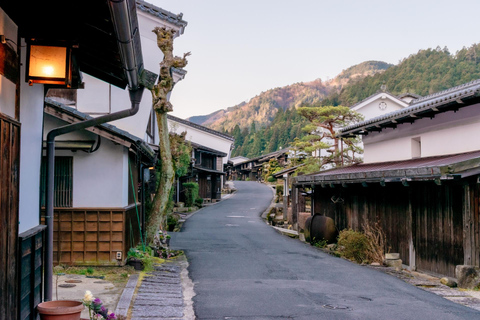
x=160, y=294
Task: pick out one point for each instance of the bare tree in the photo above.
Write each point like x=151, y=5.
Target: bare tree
x=162, y=106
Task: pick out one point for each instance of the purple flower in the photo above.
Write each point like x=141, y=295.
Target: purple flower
x=112, y=316
x=97, y=301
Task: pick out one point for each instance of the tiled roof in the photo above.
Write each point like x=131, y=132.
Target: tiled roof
x=207, y=149
x=445, y=166
x=140, y=143
x=199, y=127
x=409, y=94
x=427, y=103
x=165, y=15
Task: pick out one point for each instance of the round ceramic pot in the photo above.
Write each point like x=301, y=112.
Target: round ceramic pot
x=60, y=310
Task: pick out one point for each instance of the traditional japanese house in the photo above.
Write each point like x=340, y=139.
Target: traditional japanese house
x=95, y=37
x=419, y=181
x=207, y=171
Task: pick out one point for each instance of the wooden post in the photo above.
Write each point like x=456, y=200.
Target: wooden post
x=410, y=228
x=467, y=227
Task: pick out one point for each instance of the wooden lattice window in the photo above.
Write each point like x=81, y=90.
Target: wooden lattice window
x=63, y=182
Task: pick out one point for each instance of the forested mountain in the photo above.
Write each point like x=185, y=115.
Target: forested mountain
x=261, y=109
x=423, y=73
x=426, y=72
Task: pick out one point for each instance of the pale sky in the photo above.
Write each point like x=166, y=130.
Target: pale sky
x=241, y=48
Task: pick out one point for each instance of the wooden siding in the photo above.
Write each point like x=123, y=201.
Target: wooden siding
x=85, y=236
x=423, y=218
x=31, y=272
x=9, y=186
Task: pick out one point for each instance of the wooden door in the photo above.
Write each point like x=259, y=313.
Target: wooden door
x=9, y=186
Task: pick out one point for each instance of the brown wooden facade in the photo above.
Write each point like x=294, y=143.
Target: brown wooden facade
x=433, y=227
x=9, y=183
x=86, y=236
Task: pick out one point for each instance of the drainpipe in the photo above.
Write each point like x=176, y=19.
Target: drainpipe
x=121, y=19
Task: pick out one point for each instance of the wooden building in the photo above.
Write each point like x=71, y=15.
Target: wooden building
x=419, y=181
x=100, y=184
x=207, y=171
x=89, y=35
x=251, y=169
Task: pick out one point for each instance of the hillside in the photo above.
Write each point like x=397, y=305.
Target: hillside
x=262, y=109
x=423, y=73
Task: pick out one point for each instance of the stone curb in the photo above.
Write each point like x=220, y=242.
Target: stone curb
x=126, y=298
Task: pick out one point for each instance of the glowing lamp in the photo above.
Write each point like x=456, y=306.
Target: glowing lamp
x=49, y=64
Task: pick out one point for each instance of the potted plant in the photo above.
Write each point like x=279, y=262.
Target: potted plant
x=60, y=310
x=135, y=258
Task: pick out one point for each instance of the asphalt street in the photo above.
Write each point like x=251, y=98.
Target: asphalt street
x=244, y=269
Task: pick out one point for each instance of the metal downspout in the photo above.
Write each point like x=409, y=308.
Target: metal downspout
x=121, y=18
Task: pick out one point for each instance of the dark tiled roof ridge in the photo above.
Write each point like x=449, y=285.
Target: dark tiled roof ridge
x=217, y=152
x=200, y=127
x=427, y=102
x=163, y=14
x=406, y=94
x=438, y=160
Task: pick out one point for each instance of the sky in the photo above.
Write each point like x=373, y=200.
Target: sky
x=242, y=48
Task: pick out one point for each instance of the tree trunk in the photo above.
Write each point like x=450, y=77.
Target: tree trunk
x=167, y=175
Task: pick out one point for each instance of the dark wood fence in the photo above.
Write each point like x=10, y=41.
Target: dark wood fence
x=422, y=218
x=85, y=236
x=9, y=184
x=31, y=272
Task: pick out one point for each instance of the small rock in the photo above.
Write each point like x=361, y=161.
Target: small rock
x=397, y=264
x=332, y=246
x=376, y=264
x=468, y=276
x=448, y=282
x=392, y=256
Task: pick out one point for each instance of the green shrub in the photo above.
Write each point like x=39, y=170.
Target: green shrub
x=171, y=222
x=354, y=245
x=319, y=243
x=271, y=179
x=191, y=193
x=199, y=202
x=279, y=190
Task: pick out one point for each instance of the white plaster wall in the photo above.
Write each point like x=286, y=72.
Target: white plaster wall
x=447, y=133
x=99, y=178
x=372, y=110
x=203, y=138
x=7, y=88
x=31, y=117
x=96, y=98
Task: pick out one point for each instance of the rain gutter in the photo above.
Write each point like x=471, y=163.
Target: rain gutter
x=122, y=21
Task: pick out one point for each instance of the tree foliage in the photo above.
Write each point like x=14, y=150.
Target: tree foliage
x=320, y=145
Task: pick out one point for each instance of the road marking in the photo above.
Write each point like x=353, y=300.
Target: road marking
x=252, y=221
x=235, y=216
x=232, y=225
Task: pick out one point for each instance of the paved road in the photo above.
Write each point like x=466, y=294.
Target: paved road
x=244, y=269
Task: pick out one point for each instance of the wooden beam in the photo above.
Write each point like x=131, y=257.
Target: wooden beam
x=9, y=66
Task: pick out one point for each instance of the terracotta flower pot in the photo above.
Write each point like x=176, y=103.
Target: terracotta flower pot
x=60, y=310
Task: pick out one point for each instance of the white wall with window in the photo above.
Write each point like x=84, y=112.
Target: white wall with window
x=447, y=133
x=100, y=179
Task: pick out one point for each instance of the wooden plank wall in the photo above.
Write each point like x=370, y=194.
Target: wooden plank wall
x=31, y=272
x=428, y=215
x=85, y=236
x=9, y=184
x=438, y=227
